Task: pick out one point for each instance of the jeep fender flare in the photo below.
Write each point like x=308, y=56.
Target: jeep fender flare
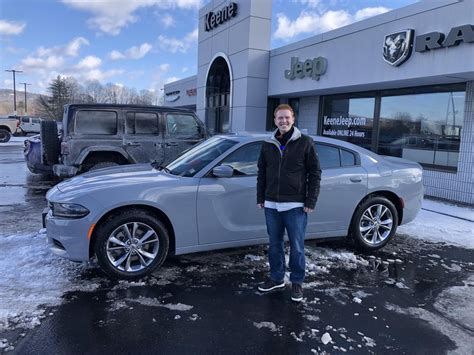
x=102, y=149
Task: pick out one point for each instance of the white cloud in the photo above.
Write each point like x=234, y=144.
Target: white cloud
x=89, y=62
x=309, y=3
x=182, y=45
x=51, y=62
x=115, y=55
x=134, y=52
x=164, y=67
x=11, y=27
x=185, y=69
x=70, y=49
x=369, y=12
x=313, y=22
x=167, y=21
x=111, y=16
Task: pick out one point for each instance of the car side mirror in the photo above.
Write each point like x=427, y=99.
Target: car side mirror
x=223, y=171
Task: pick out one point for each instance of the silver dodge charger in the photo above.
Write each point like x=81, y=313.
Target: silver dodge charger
x=132, y=217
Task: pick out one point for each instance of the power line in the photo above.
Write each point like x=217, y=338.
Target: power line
x=14, y=88
x=26, y=107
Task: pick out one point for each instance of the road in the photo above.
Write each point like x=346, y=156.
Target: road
x=411, y=297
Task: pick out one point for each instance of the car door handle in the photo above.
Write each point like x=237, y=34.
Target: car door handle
x=171, y=144
x=133, y=144
x=356, y=179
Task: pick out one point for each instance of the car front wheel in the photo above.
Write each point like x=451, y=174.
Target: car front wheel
x=131, y=245
x=374, y=223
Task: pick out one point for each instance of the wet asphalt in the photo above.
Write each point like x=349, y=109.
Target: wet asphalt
x=207, y=303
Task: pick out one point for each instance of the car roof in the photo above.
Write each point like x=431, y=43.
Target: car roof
x=257, y=136
x=147, y=107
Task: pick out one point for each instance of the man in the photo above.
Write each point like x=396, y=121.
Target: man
x=287, y=187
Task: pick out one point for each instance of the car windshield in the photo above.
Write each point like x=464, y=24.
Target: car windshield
x=198, y=157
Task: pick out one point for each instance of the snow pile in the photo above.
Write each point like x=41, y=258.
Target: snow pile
x=31, y=276
x=439, y=227
x=269, y=325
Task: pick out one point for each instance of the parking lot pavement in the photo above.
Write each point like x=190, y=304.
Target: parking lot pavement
x=414, y=296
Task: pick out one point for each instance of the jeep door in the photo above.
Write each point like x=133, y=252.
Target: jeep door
x=183, y=130
x=143, y=136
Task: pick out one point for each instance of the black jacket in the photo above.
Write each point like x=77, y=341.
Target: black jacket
x=291, y=175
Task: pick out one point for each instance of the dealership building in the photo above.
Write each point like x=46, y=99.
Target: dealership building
x=400, y=83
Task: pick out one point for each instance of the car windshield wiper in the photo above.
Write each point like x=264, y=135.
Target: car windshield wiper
x=156, y=165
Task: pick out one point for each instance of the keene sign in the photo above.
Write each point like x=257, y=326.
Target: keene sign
x=212, y=20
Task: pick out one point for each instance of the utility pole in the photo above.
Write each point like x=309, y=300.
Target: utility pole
x=14, y=88
x=26, y=107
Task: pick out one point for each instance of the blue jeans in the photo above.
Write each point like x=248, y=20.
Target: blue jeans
x=294, y=221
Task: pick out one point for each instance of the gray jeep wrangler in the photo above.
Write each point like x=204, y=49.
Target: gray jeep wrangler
x=95, y=136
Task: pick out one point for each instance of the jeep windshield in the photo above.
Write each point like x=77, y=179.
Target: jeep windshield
x=198, y=157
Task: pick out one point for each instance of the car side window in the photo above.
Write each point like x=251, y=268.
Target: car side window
x=347, y=158
x=95, y=122
x=142, y=123
x=36, y=120
x=182, y=125
x=244, y=160
x=25, y=120
x=328, y=156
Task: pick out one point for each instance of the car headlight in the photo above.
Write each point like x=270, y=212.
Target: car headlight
x=68, y=210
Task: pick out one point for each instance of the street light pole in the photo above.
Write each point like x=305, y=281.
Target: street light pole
x=14, y=88
x=26, y=107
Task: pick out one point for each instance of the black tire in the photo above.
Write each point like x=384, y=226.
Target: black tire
x=5, y=135
x=50, y=144
x=373, y=233
x=113, y=227
x=103, y=164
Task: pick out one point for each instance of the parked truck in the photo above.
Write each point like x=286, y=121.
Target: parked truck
x=8, y=126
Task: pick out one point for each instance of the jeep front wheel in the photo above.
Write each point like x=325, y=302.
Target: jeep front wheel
x=103, y=165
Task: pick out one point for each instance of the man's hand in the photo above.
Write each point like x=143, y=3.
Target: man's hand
x=308, y=210
x=260, y=205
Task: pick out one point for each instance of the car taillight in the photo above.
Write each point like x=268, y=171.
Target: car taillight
x=26, y=149
x=64, y=148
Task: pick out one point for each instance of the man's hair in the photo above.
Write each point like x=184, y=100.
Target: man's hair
x=283, y=107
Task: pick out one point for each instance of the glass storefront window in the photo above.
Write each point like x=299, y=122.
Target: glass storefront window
x=422, y=124
x=423, y=127
x=349, y=119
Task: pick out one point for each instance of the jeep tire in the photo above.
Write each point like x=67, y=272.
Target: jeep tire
x=50, y=144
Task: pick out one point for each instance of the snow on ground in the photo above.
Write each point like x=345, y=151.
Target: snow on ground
x=31, y=278
x=14, y=141
x=439, y=227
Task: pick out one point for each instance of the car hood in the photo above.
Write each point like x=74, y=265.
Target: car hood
x=114, y=177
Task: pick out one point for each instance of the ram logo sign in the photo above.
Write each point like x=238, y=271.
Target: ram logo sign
x=397, y=47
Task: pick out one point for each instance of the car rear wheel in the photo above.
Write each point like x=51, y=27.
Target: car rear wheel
x=5, y=135
x=131, y=245
x=374, y=223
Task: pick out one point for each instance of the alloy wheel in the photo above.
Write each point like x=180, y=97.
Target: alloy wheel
x=132, y=246
x=375, y=224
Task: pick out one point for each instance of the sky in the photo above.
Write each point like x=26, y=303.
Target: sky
x=141, y=44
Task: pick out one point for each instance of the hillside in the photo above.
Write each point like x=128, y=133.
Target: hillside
x=6, y=102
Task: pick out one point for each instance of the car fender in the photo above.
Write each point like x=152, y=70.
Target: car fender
x=102, y=149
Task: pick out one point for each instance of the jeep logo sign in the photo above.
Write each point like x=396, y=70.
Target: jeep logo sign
x=435, y=40
x=212, y=20
x=311, y=68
